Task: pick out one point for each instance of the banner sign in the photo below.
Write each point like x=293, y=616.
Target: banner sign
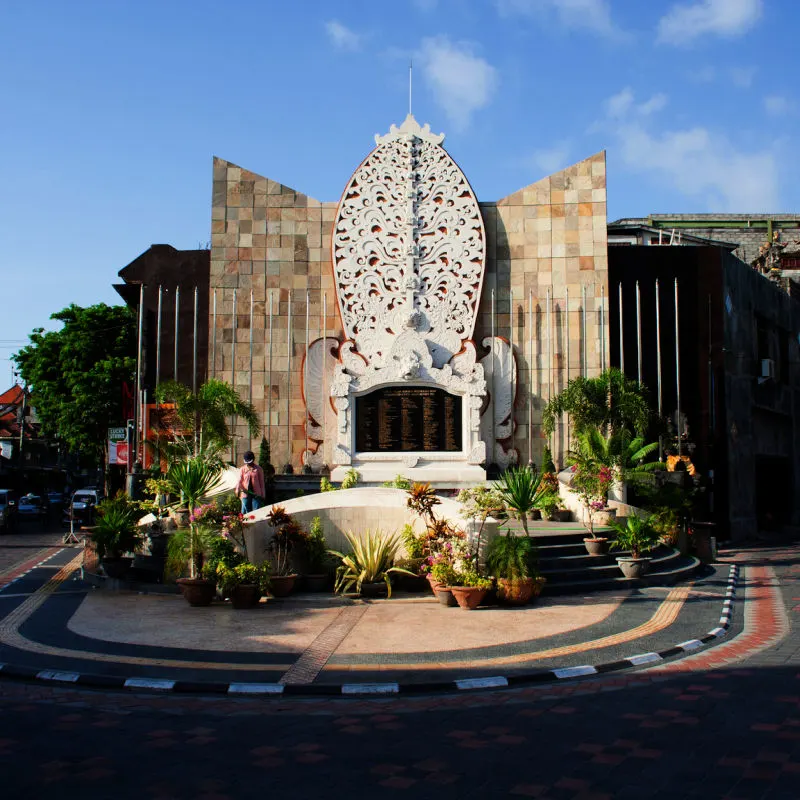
x=117, y=434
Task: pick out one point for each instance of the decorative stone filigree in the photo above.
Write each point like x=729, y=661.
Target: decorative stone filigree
x=497, y=421
x=321, y=425
x=408, y=248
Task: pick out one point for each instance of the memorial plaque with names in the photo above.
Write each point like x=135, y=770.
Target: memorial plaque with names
x=408, y=418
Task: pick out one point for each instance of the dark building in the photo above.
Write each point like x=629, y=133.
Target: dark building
x=177, y=276
x=738, y=336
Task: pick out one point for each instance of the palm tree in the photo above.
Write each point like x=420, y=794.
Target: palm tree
x=201, y=426
x=621, y=451
x=610, y=402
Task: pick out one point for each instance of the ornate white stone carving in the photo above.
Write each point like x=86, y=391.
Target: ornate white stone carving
x=408, y=248
x=497, y=421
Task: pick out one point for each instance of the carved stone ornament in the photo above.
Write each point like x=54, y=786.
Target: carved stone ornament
x=321, y=425
x=408, y=255
x=497, y=421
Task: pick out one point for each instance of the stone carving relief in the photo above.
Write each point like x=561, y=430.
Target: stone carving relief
x=497, y=420
x=318, y=374
x=408, y=248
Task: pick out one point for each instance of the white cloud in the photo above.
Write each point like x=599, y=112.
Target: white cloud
x=594, y=15
x=461, y=81
x=341, y=36
x=775, y=105
x=551, y=159
x=624, y=103
x=743, y=77
x=685, y=22
x=699, y=163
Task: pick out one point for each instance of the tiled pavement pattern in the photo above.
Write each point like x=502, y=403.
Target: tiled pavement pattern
x=719, y=731
x=24, y=548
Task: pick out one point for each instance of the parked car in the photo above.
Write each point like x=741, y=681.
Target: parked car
x=81, y=509
x=31, y=506
x=8, y=510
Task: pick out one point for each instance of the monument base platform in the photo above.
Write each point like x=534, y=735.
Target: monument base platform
x=440, y=475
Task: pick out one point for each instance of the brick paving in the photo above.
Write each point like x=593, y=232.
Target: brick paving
x=724, y=723
x=26, y=547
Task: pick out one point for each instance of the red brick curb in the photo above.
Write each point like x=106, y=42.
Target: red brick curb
x=17, y=571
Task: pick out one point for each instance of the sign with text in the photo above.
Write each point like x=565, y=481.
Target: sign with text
x=117, y=434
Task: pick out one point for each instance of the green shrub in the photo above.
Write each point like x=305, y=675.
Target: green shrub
x=512, y=557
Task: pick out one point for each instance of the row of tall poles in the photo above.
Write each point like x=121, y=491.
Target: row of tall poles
x=269, y=350
x=532, y=314
x=659, y=378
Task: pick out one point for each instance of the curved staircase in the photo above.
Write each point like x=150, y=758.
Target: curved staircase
x=569, y=569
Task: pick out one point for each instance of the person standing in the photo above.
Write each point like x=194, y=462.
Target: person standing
x=250, y=488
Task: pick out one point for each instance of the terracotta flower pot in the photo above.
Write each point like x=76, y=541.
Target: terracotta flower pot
x=116, y=567
x=468, y=597
x=518, y=591
x=434, y=584
x=376, y=590
x=197, y=591
x=445, y=596
x=633, y=567
x=281, y=585
x=245, y=595
x=596, y=545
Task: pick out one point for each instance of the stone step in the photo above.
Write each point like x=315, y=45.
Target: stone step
x=565, y=571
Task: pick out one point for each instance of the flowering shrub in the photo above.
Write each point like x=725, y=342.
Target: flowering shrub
x=591, y=482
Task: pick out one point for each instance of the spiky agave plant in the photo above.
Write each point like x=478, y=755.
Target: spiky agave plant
x=521, y=489
x=370, y=561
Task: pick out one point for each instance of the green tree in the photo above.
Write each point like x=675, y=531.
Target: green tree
x=75, y=374
x=620, y=451
x=200, y=428
x=610, y=402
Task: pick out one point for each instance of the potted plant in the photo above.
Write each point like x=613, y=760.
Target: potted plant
x=591, y=481
x=115, y=533
x=370, y=564
x=480, y=503
x=317, y=558
x=512, y=561
x=442, y=574
x=413, y=561
x=469, y=589
x=287, y=534
x=521, y=490
x=244, y=583
x=639, y=537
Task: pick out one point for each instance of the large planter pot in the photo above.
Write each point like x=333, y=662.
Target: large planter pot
x=116, y=567
x=434, y=584
x=445, y=596
x=596, y=545
x=197, y=591
x=281, y=585
x=245, y=595
x=158, y=544
x=468, y=597
x=377, y=590
x=560, y=515
x=605, y=517
x=519, y=591
x=633, y=567
x=317, y=583
x=534, y=515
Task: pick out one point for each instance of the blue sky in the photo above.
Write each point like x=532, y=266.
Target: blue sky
x=112, y=111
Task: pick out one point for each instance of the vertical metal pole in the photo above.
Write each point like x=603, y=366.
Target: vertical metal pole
x=678, y=366
x=621, y=338
x=638, y=333
x=194, y=341
x=158, y=337
x=494, y=399
x=566, y=336
x=177, y=330
x=250, y=394
x=269, y=381
x=511, y=355
x=289, y=380
x=233, y=373
x=305, y=387
x=585, y=364
x=139, y=424
x=658, y=366
x=324, y=398
x=530, y=376
x=550, y=354
x=214, y=335
x=602, y=328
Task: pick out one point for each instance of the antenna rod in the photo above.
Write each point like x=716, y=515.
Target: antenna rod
x=410, y=71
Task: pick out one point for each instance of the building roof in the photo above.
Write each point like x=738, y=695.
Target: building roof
x=634, y=226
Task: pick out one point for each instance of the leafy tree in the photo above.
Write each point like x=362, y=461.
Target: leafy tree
x=620, y=451
x=610, y=402
x=200, y=427
x=76, y=373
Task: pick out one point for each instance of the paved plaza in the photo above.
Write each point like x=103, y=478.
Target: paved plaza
x=719, y=720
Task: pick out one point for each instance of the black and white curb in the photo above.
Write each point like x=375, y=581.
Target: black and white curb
x=28, y=571
x=377, y=689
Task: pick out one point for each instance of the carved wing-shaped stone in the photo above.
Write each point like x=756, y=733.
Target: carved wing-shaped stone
x=497, y=421
x=318, y=374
